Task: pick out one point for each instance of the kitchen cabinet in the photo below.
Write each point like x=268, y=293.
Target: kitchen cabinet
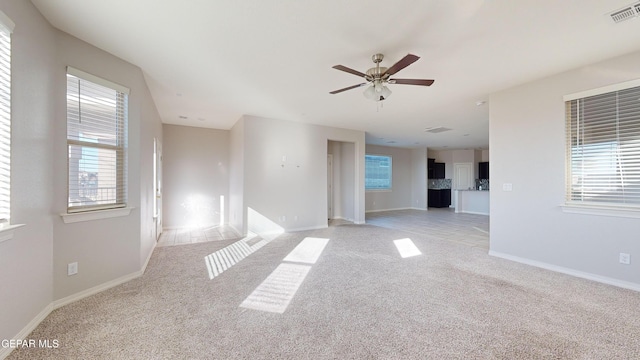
x=483, y=170
x=439, y=198
x=430, y=168
x=438, y=170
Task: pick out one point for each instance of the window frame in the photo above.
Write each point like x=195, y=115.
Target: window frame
x=120, y=148
x=379, y=189
x=607, y=208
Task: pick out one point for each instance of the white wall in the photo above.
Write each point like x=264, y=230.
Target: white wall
x=285, y=173
x=237, y=211
x=348, y=187
x=34, y=263
x=196, y=175
x=419, y=178
x=527, y=142
x=26, y=261
x=399, y=197
x=343, y=174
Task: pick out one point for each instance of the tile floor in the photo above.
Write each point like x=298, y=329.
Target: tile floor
x=444, y=224
x=172, y=237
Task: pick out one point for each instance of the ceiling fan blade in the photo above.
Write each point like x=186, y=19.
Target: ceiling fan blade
x=347, y=88
x=403, y=63
x=421, y=82
x=349, y=70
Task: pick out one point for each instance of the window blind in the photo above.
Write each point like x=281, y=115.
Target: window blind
x=603, y=148
x=5, y=117
x=97, y=144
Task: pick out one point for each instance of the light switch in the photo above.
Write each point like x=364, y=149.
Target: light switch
x=507, y=187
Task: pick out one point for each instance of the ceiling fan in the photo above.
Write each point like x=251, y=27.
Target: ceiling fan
x=379, y=76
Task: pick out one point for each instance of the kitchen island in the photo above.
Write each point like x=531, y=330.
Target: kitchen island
x=472, y=201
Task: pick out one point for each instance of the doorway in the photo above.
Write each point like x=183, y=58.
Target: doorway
x=462, y=179
x=341, y=183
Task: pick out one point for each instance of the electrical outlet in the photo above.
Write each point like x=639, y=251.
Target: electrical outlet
x=72, y=268
x=625, y=258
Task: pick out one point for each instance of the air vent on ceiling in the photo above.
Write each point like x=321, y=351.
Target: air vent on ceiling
x=435, y=130
x=626, y=13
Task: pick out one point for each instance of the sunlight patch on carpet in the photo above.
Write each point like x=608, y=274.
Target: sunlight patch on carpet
x=308, y=251
x=225, y=258
x=406, y=248
x=275, y=293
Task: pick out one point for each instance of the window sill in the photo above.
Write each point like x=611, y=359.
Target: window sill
x=378, y=190
x=95, y=215
x=602, y=210
x=6, y=233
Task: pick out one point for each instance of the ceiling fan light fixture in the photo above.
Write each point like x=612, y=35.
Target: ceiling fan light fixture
x=370, y=93
x=385, y=93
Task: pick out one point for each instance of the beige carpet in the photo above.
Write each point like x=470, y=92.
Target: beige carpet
x=360, y=300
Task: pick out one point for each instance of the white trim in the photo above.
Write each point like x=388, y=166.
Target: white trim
x=341, y=218
x=95, y=215
x=568, y=271
x=421, y=209
x=471, y=212
x=144, y=266
x=307, y=228
x=7, y=232
x=24, y=333
x=104, y=286
x=98, y=80
x=4, y=352
x=96, y=289
x=8, y=25
x=602, y=210
x=380, y=210
x=603, y=90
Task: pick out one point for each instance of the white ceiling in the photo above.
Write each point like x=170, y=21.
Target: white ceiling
x=215, y=60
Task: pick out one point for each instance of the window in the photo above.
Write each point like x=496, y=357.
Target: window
x=97, y=142
x=377, y=172
x=6, y=27
x=603, y=146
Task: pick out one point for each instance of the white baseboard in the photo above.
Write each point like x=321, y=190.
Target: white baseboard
x=568, y=271
x=472, y=212
x=4, y=352
x=421, y=209
x=380, y=210
x=307, y=228
x=144, y=266
x=104, y=286
x=96, y=289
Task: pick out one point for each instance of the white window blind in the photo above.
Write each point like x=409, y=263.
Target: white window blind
x=603, y=148
x=378, y=173
x=97, y=142
x=6, y=27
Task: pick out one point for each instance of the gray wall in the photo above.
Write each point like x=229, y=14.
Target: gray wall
x=399, y=197
x=343, y=179
x=34, y=263
x=26, y=261
x=196, y=175
x=284, y=173
x=237, y=213
x=419, y=178
x=527, y=142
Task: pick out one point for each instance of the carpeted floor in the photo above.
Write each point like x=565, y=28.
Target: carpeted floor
x=360, y=300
